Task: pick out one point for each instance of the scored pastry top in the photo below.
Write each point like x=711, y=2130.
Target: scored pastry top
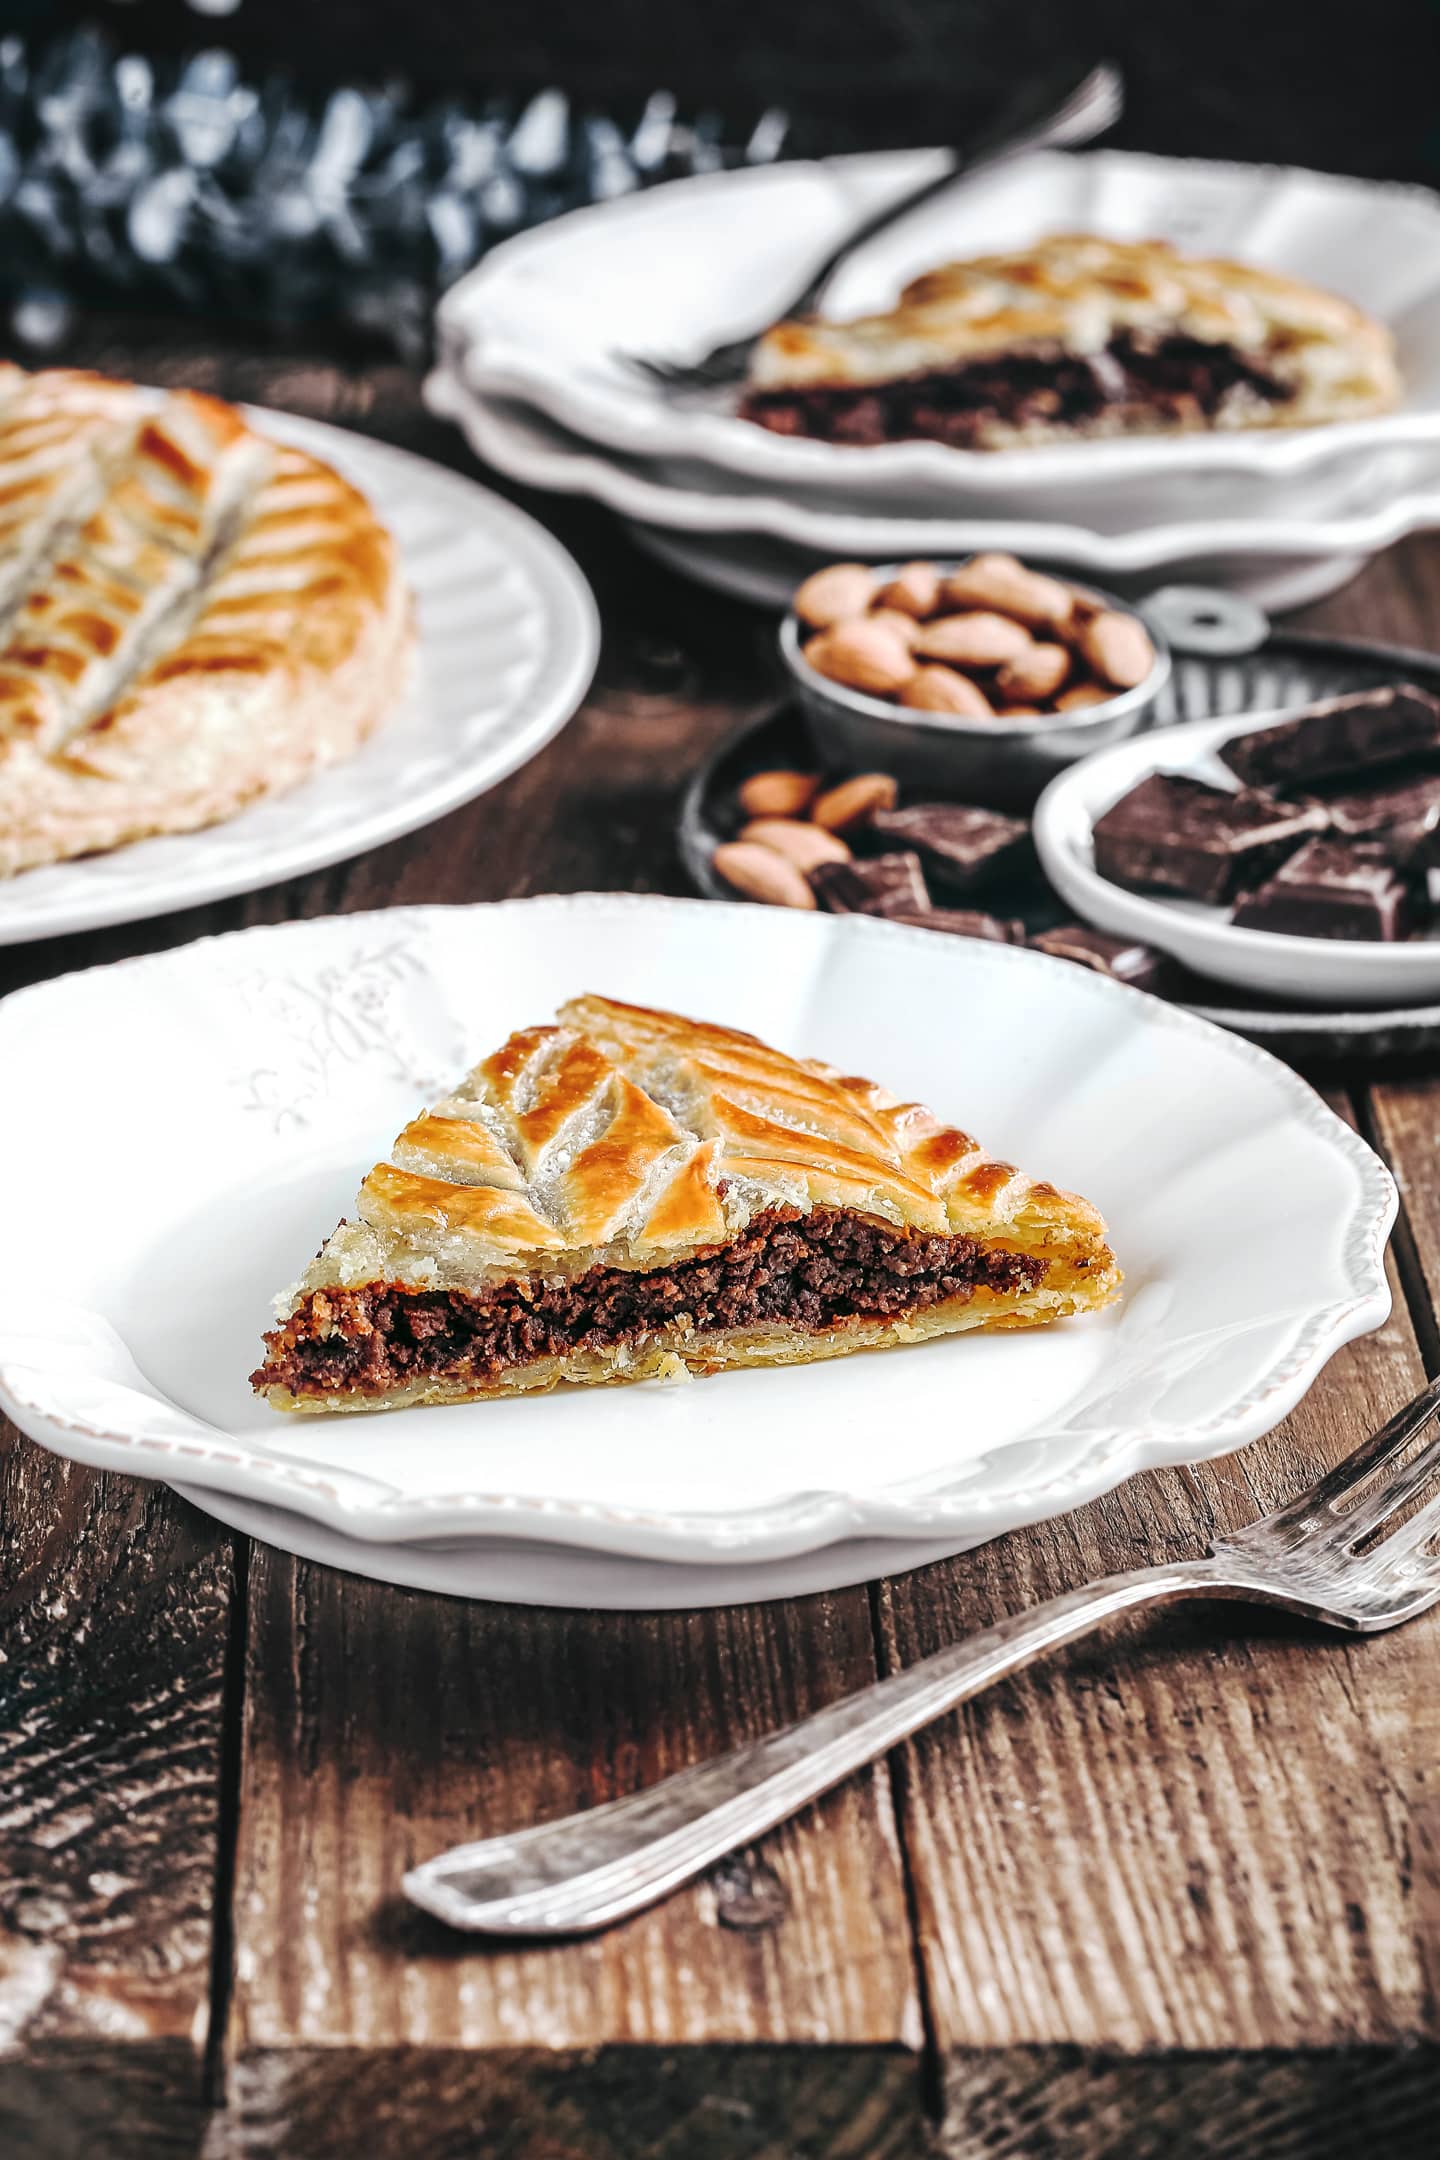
x=1078, y=291
x=626, y=1137
x=150, y=545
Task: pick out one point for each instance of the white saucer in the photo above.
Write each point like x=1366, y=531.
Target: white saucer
x=1331, y=972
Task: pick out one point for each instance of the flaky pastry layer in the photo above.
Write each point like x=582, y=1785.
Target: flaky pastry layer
x=624, y=1143
x=191, y=616
x=1078, y=295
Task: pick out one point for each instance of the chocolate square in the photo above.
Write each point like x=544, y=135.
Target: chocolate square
x=1402, y=807
x=966, y=922
x=1122, y=959
x=874, y=885
x=1332, y=889
x=1175, y=834
x=963, y=846
x=1336, y=736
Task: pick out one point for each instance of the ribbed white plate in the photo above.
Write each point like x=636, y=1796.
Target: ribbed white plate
x=675, y=269
x=1281, y=554
x=508, y=639
x=289, y=1057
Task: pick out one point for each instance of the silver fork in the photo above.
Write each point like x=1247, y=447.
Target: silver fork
x=585, y=1871
x=1056, y=114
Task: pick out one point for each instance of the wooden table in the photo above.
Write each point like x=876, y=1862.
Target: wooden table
x=1175, y=1892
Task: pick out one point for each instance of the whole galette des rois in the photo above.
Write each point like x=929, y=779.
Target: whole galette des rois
x=1076, y=336
x=191, y=615
x=628, y=1194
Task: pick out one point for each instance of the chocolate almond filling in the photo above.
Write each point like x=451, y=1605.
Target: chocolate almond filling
x=819, y=1271
x=1137, y=380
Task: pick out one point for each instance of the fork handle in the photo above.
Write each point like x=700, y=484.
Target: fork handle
x=1033, y=121
x=585, y=1871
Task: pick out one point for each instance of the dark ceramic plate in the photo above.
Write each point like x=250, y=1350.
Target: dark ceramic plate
x=1289, y=669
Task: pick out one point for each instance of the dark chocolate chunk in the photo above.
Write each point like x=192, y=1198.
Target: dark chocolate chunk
x=965, y=922
x=1176, y=834
x=876, y=885
x=1122, y=959
x=1332, y=889
x=1403, y=807
x=963, y=846
x=1337, y=736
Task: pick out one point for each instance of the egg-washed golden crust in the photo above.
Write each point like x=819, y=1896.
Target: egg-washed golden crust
x=1072, y=293
x=632, y=1140
x=190, y=615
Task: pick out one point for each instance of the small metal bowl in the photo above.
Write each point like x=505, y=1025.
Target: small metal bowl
x=1004, y=763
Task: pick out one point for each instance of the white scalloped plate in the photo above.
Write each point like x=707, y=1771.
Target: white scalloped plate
x=267, y=1069
x=1353, y=513
x=675, y=269
x=508, y=640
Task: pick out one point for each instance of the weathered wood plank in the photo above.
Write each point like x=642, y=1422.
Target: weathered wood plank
x=1205, y=1837
x=382, y=1725
x=113, y=1626
x=1406, y=1123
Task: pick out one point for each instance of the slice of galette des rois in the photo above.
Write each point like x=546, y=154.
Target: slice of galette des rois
x=628, y=1194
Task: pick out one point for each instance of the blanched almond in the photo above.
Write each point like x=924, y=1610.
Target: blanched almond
x=761, y=874
x=863, y=655
x=904, y=626
x=979, y=640
x=915, y=590
x=778, y=794
x=853, y=801
x=940, y=689
x=828, y=596
x=1084, y=693
x=1118, y=647
x=1037, y=673
x=1003, y=583
x=804, y=845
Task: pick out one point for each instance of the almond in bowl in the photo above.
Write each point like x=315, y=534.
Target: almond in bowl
x=985, y=676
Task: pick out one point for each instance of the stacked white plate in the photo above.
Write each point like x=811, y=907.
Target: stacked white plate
x=529, y=366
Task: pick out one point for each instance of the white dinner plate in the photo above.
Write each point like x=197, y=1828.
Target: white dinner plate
x=1309, y=971
x=1282, y=554
x=679, y=267
x=279, y=1062
x=508, y=641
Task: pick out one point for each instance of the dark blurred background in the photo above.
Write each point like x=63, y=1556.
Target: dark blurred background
x=1353, y=87
x=304, y=166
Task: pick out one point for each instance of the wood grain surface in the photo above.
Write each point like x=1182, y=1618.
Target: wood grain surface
x=1176, y=1891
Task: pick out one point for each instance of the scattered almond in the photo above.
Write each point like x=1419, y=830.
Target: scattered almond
x=979, y=640
x=761, y=874
x=1036, y=673
x=1003, y=583
x=1084, y=693
x=863, y=656
x=829, y=595
x=778, y=794
x=1118, y=647
x=914, y=591
x=804, y=845
x=940, y=689
x=854, y=800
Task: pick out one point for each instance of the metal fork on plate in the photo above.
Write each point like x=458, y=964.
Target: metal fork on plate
x=1336, y=1554
x=1057, y=113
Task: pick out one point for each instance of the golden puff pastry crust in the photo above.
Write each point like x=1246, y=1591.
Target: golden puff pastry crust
x=627, y=1192
x=1164, y=341
x=190, y=615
